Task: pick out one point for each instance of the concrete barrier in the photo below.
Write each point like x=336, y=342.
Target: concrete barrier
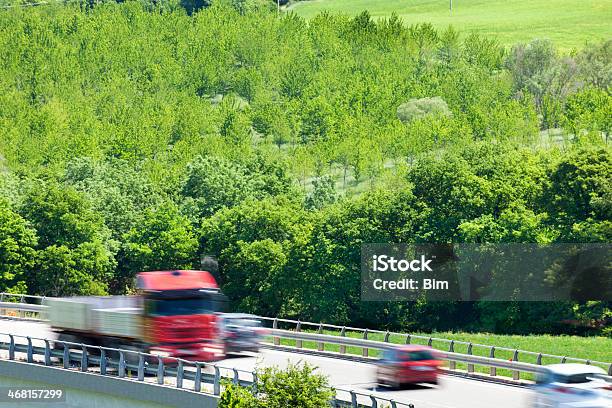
x=89, y=390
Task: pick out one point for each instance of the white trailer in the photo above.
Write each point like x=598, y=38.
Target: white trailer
x=111, y=320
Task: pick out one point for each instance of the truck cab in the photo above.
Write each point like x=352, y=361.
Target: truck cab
x=180, y=315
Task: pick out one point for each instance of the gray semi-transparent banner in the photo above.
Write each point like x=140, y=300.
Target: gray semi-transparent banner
x=491, y=272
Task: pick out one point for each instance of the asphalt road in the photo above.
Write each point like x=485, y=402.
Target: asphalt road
x=452, y=392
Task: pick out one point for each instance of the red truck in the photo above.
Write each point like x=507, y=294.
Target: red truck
x=173, y=314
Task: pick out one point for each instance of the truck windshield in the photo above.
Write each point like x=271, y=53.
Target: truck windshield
x=182, y=307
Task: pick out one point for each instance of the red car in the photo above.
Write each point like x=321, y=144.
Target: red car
x=408, y=364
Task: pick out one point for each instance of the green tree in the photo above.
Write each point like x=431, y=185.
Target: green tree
x=317, y=121
x=323, y=193
x=578, y=195
x=17, y=248
x=75, y=252
x=253, y=242
x=164, y=240
x=419, y=108
x=116, y=189
x=595, y=64
x=214, y=183
x=589, y=109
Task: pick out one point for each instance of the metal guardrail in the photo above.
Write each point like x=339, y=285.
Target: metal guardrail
x=373, y=401
x=20, y=298
x=378, y=345
x=22, y=306
x=444, y=345
x=121, y=363
x=22, y=311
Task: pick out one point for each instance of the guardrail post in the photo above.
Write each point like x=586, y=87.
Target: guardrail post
x=492, y=370
x=374, y=401
x=254, y=373
x=102, y=361
x=11, y=347
x=30, y=351
x=563, y=359
x=83, y=358
x=2, y=297
x=407, y=339
x=353, y=399
x=343, y=334
x=141, y=367
x=66, y=356
x=539, y=359
x=387, y=334
x=275, y=326
x=179, y=375
x=197, y=382
x=516, y=375
x=364, y=352
x=160, y=370
x=298, y=328
x=470, y=367
x=217, y=383
x=121, y=364
x=235, y=379
x=320, y=345
x=451, y=349
x=610, y=370
x=393, y=403
x=47, y=353
x=429, y=342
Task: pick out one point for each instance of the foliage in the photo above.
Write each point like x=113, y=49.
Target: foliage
x=136, y=136
x=17, y=248
x=163, y=240
x=323, y=193
x=591, y=110
x=296, y=386
x=418, y=108
x=75, y=254
x=579, y=194
x=235, y=396
x=214, y=183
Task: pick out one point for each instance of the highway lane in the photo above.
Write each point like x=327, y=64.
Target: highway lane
x=453, y=392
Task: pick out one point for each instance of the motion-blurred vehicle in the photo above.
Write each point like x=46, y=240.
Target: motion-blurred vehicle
x=409, y=364
x=173, y=314
x=572, y=386
x=240, y=332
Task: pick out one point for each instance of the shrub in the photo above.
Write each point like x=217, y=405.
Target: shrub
x=296, y=386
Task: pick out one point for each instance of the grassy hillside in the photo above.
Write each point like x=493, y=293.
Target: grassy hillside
x=569, y=23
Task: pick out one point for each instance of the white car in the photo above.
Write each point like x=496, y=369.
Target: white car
x=572, y=386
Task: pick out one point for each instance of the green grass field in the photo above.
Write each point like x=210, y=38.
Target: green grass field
x=569, y=23
x=590, y=348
